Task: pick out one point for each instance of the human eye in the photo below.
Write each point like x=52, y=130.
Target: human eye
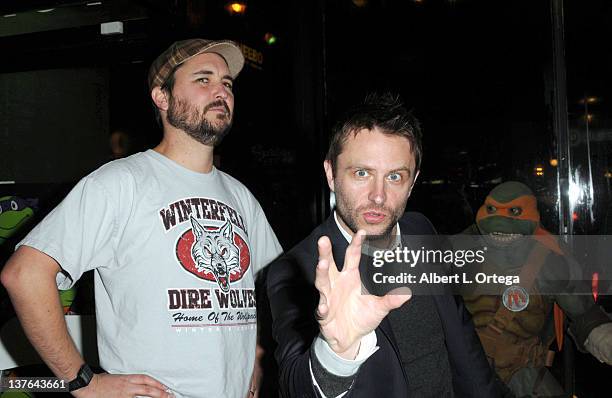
x=229, y=85
x=394, y=177
x=361, y=173
x=202, y=80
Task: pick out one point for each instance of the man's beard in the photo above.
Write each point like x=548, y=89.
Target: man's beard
x=193, y=121
x=350, y=215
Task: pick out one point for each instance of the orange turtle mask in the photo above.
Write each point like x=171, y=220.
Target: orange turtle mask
x=510, y=208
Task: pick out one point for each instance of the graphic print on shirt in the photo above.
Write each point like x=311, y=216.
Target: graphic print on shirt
x=211, y=249
x=213, y=253
x=216, y=253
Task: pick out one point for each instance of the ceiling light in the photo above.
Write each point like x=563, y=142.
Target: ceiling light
x=236, y=8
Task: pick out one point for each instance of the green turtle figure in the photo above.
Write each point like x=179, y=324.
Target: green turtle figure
x=15, y=212
x=517, y=325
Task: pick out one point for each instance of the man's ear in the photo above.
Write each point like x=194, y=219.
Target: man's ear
x=329, y=174
x=160, y=98
x=416, y=175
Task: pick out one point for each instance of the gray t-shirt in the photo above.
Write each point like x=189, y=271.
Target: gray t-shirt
x=175, y=253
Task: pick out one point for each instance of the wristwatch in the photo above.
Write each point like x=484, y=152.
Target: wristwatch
x=83, y=378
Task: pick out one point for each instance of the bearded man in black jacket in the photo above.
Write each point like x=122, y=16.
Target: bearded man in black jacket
x=333, y=340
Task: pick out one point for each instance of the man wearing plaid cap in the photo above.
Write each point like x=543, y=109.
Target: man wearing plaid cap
x=174, y=242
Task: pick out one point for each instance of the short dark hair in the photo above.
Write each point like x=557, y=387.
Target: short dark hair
x=383, y=111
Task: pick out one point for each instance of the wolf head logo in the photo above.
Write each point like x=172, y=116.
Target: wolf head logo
x=215, y=252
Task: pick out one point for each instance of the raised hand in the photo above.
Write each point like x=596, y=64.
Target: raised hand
x=345, y=313
x=123, y=386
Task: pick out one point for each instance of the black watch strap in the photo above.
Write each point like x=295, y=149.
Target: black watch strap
x=83, y=378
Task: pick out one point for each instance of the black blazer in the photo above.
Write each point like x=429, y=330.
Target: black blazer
x=293, y=300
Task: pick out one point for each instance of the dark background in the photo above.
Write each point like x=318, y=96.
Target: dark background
x=479, y=74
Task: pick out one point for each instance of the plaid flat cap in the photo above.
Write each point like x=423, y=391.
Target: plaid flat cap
x=184, y=50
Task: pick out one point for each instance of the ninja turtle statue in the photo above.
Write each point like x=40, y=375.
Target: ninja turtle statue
x=516, y=325
x=15, y=215
x=15, y=212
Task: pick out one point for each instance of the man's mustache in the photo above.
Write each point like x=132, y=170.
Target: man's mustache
x=217, y=104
